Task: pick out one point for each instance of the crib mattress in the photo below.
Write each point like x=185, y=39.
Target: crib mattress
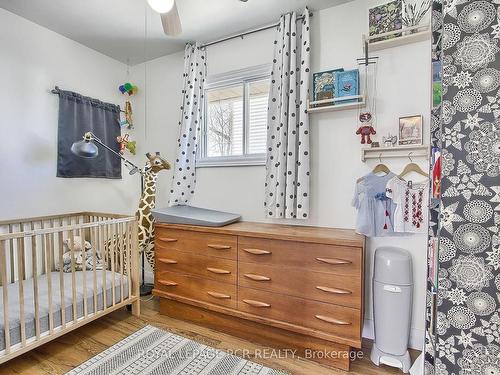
x=29, y=304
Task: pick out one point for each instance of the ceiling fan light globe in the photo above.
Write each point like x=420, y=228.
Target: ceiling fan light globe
x=161, y=6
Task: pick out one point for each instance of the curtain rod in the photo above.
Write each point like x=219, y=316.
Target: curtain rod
x=252, y=31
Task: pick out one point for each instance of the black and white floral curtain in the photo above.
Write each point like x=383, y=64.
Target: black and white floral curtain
x=467, y=330
x=287, y=165
x=184, y=179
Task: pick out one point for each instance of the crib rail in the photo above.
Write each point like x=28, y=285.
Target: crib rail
x=49, y=288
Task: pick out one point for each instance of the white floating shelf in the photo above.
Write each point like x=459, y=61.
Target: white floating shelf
x=422, y=33
x=410, y=151
x=336, y=104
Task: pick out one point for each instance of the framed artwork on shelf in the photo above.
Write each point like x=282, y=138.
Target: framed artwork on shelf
x=347, y=84
x=385, y=18
x=410, y=130
x=324, y=84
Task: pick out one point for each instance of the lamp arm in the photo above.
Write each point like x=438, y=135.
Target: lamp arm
x=93, y=137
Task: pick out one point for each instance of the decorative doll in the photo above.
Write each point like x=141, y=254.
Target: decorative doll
x=365, y=129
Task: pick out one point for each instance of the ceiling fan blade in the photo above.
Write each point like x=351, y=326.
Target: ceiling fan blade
x=171, y=22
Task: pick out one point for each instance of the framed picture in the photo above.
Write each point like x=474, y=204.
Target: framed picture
x=385, y=18
x=410, y=130
x=324, y=84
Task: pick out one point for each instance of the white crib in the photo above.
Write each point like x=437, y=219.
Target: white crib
x=40, y=301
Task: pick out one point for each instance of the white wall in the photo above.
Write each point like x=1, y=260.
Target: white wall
x=32, y=61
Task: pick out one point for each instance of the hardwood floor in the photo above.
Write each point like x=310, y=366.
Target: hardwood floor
x=68, y=351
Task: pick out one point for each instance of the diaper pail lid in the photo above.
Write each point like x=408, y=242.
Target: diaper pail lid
x=393, y=266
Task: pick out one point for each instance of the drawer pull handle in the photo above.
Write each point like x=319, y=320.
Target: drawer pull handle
x=167, y=261
x=218, y=271
x=167, y=283
x=334, y=261
x=332, y=320
x=333, y=290
x=257, y=251
x=254, y=303
x=166, y=239
x=219, y=295
x=219, y=247
x=251, y=276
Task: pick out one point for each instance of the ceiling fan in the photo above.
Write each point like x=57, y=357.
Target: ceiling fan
x=169, y=15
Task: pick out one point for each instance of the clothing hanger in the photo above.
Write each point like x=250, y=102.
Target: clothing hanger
x=412, y=167
x=379, y=168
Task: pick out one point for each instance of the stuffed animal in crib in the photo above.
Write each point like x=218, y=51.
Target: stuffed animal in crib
x=366, y=129
x=82, y=254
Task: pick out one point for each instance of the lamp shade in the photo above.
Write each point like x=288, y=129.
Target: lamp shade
x=85, y=149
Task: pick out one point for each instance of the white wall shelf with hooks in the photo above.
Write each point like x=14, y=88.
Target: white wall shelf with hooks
x=408, y=35
x=410, y=151
x=336, y=104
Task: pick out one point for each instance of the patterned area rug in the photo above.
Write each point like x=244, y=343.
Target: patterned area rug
x=154, y=351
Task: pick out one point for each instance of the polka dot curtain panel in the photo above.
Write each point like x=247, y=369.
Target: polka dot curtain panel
x=287, y=163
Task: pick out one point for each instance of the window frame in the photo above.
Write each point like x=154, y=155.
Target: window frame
x=233, y=78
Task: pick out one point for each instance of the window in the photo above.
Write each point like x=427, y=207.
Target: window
x=235, y=122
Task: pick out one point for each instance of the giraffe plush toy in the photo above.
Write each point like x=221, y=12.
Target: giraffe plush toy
x=145, y=219
x=144, y=216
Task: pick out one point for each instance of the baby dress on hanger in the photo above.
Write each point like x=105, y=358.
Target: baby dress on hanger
x=412, y=201
x=375, y=209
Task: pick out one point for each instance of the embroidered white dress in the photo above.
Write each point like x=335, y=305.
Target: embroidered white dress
x=412, y=202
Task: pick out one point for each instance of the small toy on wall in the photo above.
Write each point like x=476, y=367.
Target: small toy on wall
x=366, y=129
x=126, y=143
x=389, y=140
x=128, y=88
x=129, y=120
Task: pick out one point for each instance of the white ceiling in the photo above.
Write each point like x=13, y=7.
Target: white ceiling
x=117, y=27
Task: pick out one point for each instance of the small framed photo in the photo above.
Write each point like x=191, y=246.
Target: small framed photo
x=410, y=130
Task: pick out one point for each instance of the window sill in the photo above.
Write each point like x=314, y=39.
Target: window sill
x=232, y=161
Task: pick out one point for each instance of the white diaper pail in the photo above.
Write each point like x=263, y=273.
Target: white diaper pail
x=392, y=305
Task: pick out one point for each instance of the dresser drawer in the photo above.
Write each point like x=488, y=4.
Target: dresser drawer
x=196, y=288
x=320, y=286
x=218, y=269
x=336, y=320
x=209, y=244
x=315, y=257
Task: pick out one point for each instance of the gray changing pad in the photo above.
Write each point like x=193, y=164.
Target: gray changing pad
x=194, y=216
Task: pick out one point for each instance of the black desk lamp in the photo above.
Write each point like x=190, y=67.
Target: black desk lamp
x=86, y=148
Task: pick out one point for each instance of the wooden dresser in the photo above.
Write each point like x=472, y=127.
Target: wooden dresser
x=284, y=286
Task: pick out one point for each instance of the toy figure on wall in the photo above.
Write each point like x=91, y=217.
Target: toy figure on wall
x=366, y=129
x=126, y=143
x=129, y=121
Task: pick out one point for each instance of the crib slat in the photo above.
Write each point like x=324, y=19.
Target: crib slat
x=121, y=249
x=61, y=276
x=11, y=248
x=73, y=275
x=112, y=241
x=42, y=254
x=93, y=237
x=101, y=232
x=48, y=242
x=81, y=233
x=35, y=284
x=129, y=254
x=20, y=272
x=5, y=300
